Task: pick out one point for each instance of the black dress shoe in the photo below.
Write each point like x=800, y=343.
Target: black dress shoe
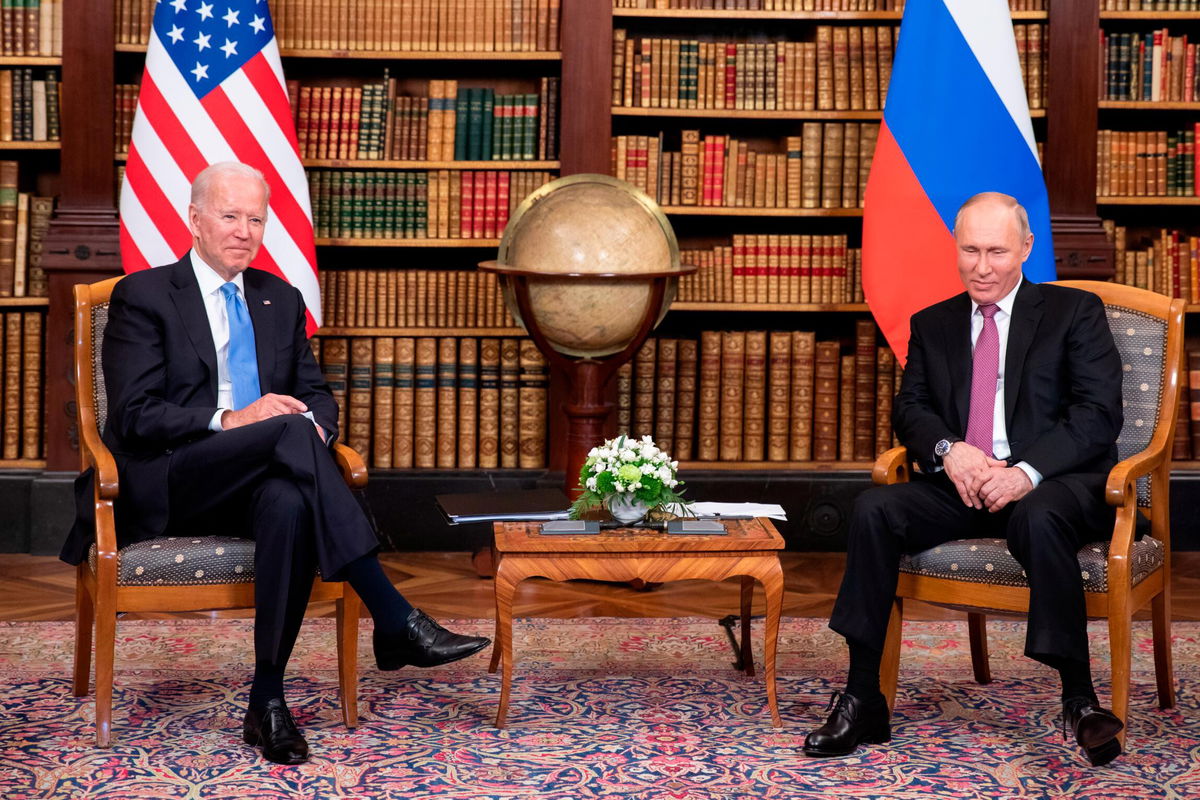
x=271, y=726
x=851, y=723
x=1095, y=729
x=423, y=643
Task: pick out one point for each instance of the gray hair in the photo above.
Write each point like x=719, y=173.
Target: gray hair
x=203, y=182
x=1010, y=202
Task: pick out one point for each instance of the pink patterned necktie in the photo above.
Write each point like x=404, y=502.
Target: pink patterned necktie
x=984, y=375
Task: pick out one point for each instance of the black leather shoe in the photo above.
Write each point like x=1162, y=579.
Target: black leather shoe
x=272, y=727
x=1095, y=729
x=851, y=723
x=423, y=643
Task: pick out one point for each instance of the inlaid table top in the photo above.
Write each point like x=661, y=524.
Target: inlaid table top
x=742, y=535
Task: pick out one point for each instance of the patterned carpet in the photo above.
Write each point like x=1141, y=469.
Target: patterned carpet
x=601, y=708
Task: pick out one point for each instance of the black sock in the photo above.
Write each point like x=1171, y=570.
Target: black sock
x=388, y=607
x=268, y=683
x=1076, y=679
x=863, y=681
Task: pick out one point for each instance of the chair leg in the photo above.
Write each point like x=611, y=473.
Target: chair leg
x=84, y=620
x=106, y=641
x=348, y=610
x=977, y=629
x=1164, y=671
x=1119, y=634
x=889, y=667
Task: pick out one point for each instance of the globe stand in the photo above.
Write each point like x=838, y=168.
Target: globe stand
x=585, y=407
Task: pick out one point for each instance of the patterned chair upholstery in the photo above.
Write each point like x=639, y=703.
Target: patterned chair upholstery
x=1121, y=573
x=168, y=573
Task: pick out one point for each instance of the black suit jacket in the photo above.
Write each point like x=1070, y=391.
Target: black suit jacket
x=1062, y=383
x=160, y=375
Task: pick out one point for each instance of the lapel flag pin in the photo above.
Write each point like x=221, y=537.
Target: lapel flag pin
x=266, y=302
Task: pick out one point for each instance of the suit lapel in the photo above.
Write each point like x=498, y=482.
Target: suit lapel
x=1027, y=313
x=190, y=306
x=958, y=355
x=261, y=304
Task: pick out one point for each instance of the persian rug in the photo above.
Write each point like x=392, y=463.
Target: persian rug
x=601, y=708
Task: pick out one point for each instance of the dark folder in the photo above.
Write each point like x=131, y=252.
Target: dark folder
x=526, y=504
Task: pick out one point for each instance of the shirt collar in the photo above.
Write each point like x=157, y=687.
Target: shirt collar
x=1005, y=303
x=210, y=282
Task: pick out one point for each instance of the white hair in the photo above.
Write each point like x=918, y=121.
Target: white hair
x=1022, y=216
x=203, y=183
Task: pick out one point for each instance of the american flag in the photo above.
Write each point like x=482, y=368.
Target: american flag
x=212, y=91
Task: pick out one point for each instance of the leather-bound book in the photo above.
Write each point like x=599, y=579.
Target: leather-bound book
x=404, y=384
x=8, y=226
x=360, y=390
x=854, y=53
x=831, y=164
x=825, y=68
x=40, y=211
x=810, y=161
x=31, y=399
x=664, y=417
x=644, y=388
x=384, y=382
x=335, y=366
x=826, y=390
x=885, y=394
x=447, y=402
x=510, y=371
x=468, y=395
x=685, y=399
x=425, y=402
x=850, y=149
x=865, y=356
x=1193, y=416
x=690, y=167
x=755, y=396
x=625, y=398
x=778, y=386
x=803, y=348
x=489, y=403
x=708, y=408
x=846, y=432
x=794, y=170
x=733, y=368
x=532, y=407
x=870, y=69
x=885, y=35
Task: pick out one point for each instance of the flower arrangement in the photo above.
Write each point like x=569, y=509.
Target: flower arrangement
x=628, y=471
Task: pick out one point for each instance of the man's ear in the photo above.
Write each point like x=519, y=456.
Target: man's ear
x=193, y=212
x=1028, y=248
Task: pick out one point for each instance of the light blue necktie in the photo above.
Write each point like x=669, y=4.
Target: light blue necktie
x=243, y=361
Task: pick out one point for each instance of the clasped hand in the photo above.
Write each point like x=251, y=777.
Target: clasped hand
x=265, y=407
x=982, y=481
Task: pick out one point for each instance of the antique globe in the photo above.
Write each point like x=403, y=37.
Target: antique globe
x=574, y=230
x=589, y=266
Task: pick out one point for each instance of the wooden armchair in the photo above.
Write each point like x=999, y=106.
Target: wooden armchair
x=1120, y=575
x=145, y=576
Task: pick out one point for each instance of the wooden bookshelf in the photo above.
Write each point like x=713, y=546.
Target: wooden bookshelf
x=772, y=16
x=55, y=145
x=755, y=466
x=725, y=113
x=740, y=307
x=23, y=463
x=748, y=211
x=426, y=165
x=24, y=302
x=1153, y=16
x=421, y=331
x=398, y=55
x=1148, y=201
x=1149, y=105
x=356, y=242
x=30, y=61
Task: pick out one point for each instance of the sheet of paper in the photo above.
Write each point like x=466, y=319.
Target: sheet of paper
x=771, y=510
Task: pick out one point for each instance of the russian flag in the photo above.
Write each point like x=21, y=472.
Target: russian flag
x=955, y=123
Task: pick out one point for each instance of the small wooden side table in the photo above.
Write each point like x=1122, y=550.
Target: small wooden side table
x=750, y=550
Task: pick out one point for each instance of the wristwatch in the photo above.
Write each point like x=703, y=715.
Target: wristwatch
x=942, y=448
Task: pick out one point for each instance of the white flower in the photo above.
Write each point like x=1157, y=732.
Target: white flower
x=591, y=484
x=595, y=451
x=647, y=469
x=620, y=487
x=647, y=439
x=650, y=451
x=628, y=455
x=674, y=465
x=663, y=474
x=673, y=484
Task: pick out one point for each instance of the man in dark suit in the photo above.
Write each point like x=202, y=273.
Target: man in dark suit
x=219, y=419
x=1011, y=405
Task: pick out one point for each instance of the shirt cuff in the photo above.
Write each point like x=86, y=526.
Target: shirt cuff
x=1035, y=477
x=214, y=424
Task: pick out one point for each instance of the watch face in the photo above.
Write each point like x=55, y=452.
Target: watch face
x=942, y=447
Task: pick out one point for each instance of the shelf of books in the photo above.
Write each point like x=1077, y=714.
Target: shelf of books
x=757, y=142
x=417, y=169
x=1147, y=180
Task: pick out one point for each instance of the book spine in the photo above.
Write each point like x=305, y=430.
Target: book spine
x=425, y=401
x=778, y=400
x=685, y=399
x=31, y=401
x=384, y=397
x=510, y=369
x=403, y=413
x=468, y=396
x=709, y=404
x=532, y=407
x=802, y=377
x=754, y=403
x=827, y=363
x=489, y=403
x=643, y=386
x=664, y=418
x=624, y=398
x=8, y=226
x=733, y=365
x=846, y=431
x=865, y=357
x=358, y=431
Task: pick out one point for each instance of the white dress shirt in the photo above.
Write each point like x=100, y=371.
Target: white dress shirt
x=1000, y=446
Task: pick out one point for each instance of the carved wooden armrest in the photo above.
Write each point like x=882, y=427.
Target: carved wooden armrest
x=892, y=466
x=354, y=471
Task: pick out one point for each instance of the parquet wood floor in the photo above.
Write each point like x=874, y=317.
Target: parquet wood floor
x=446, y=586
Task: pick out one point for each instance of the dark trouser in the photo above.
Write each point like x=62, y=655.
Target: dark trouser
x=1045, y=530
x=277, y=483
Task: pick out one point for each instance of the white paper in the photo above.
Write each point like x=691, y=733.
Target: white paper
x=716, y=510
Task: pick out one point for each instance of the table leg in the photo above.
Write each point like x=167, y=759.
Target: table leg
x=495, y=662
x=747, y=605
x=772, y=580
x=507, y=578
